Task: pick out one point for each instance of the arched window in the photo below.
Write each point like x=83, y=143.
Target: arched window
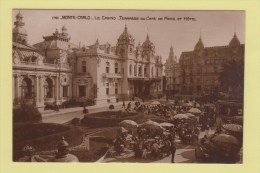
x=135, y=70
x=140, y=70
x=48, y=88
x=27, y=88
x=145, y=71
x=130, y=69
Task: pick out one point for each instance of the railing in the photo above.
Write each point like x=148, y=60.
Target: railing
x=112, y=75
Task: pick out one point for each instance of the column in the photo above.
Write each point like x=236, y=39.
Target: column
x=57, y=90
x=18, y=86
x=36, y=90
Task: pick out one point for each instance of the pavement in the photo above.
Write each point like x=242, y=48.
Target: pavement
x=67, y=114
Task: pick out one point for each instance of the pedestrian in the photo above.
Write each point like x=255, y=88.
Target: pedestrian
x=173, y=150
x=123, y=104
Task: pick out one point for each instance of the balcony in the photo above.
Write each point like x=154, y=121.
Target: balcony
x=112, y=75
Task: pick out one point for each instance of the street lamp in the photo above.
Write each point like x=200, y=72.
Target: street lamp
x=58, y=79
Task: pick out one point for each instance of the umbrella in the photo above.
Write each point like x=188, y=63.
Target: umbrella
x=122, y=130
x=180, y=116
x=233, y=127
x=224, y=138
x=128, y=124
x=190, y=115
x=187, y=104
x=170, y=103
x=155, y=103
x=195, y=110
x=166, y=124
x=151, y=124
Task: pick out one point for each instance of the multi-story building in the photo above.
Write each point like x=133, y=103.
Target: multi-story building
x=200, y=68
x=40, y=77
x=117, y=72
x=56, y=70
x=172, y=74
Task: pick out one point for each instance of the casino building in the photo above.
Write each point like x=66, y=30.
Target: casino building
x=56, y=70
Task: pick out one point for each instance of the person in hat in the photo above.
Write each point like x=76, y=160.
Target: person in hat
x=173, y=150
x=63, y=153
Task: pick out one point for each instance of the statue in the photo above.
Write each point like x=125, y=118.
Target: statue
x=63, y=153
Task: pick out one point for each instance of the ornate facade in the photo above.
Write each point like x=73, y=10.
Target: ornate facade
x=201, y=67
x=56, y=70
x=111, y=73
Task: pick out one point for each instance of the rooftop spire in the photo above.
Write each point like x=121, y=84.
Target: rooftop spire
x=171, y=54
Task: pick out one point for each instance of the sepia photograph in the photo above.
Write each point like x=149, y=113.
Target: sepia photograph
x=128, y=86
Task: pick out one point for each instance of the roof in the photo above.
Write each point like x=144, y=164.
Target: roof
x=25, y=52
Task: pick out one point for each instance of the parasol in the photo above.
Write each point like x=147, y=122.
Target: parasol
x=187, y=104
x=151, y=124
x=122, y=130
x=194, y=110
x=155, y=103
x=233, y=127
x=166, y=124
x=190, y=115
x=180, y=116
x=128, y=124
x=224, y=138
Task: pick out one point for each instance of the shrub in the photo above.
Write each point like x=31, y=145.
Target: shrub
x=26, y=113
x=75, y=121
x=111, y=107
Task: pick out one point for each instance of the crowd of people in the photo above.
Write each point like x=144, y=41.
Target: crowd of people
x=160, y=142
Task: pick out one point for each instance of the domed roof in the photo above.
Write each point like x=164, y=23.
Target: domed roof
x=126, y=37
x=147, y=44
x=19, y=30
x=199, y=45
x=234, y=41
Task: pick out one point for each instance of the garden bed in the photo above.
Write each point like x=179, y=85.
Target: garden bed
x=43, y=136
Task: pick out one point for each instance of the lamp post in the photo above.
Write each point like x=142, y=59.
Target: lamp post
x=58, y=79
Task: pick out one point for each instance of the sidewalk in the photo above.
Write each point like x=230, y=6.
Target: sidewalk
x=94, y=108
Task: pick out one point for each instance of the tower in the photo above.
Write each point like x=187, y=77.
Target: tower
x=19, y=33
x=148, y=49
x=125, y=44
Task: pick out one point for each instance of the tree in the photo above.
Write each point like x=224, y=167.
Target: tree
x=232, y=79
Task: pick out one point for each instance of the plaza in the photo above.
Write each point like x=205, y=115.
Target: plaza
x=76, y=96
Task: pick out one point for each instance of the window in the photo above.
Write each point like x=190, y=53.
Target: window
x=84, y=66
x=107, y=67
x=48, y=88
x=157, y=72
x=116, y=88
x=82, y=91
x=107, y=88
x=152, y=71
x=130, y=69
x=145, y=71
x=65, y=91
x=140, y=71
x=135, y=70
x=27, y=88
x=116, y=67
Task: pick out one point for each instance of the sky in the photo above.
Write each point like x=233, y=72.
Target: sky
x=216, y=28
